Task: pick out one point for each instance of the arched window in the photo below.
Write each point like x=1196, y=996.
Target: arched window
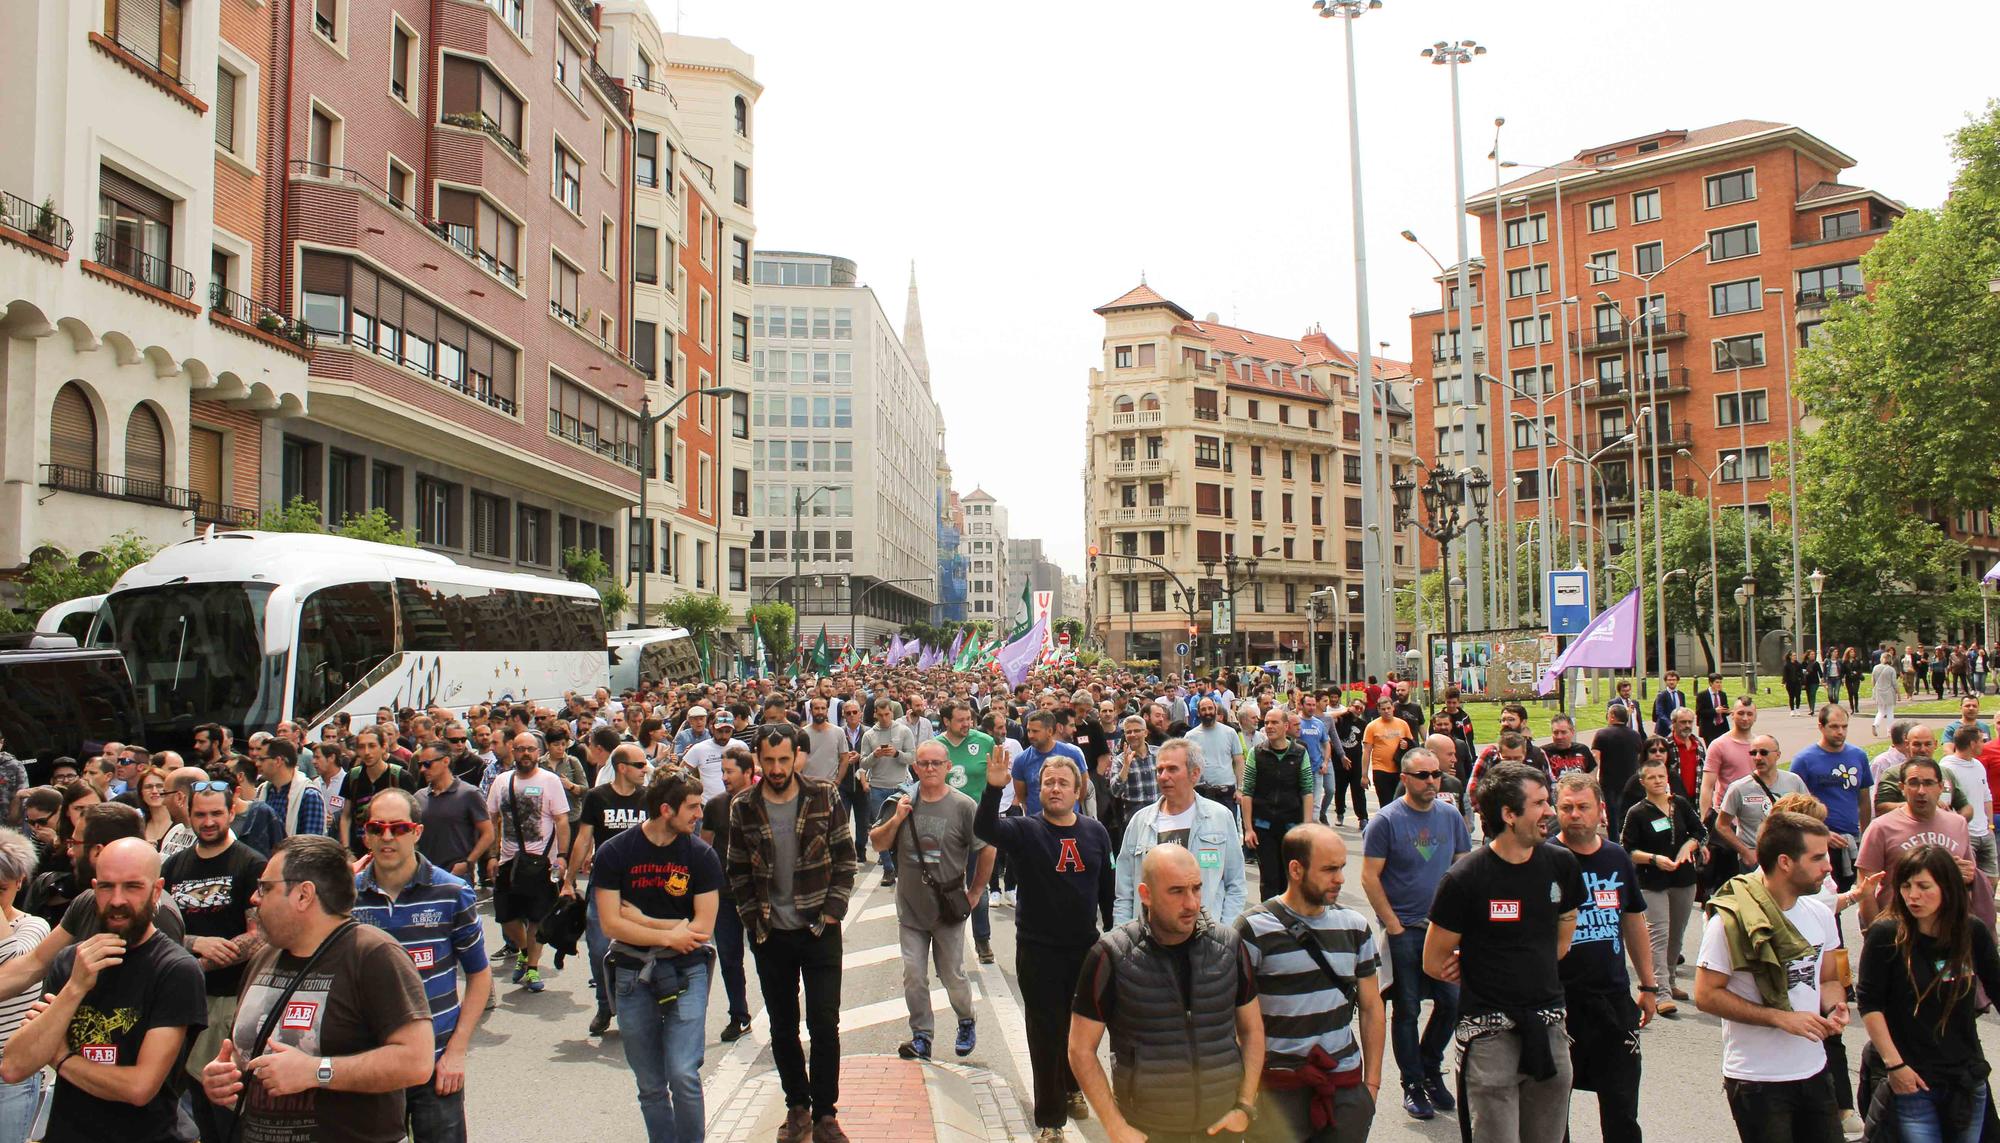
x=743, y=117
x=73, y=430
x=1149, y=403
x=1122, y=405
x=145, y=453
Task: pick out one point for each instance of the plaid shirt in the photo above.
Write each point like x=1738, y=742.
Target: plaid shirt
x=1141, y=782
x=823, y=879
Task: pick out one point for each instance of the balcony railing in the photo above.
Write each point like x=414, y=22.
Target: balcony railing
x=359, y=181
x=619, y=97
x=1673, y=324
x=460, y=238
x=569, y=319
x=1826, y=295
x=73, y=478
x=583, y=8
x=477, y=387
x=1201, y=414
x=41, y=223
x=252, y=312
x=652, y=85
x=626, y=454
x=1144, y=418
x=208, y=511
x=1673, y=434
x=1666, y=383
x=151, y=269
x=149, y=54
x=480, y=121
x=1156, y=466
x=1151, y=514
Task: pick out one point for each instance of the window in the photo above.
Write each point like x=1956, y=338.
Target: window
x=226, y=85
x=739, y=574
x=1736, y=186
x=1732, y=242
x=1528, y=280
x=1285, y=507
x=646, y=254
x=438, y=522
x=326, y=19
x=1603, y=214
x=1354, y=554
x=1285, y=464
x=739, y=263
x=569, y=179
x=1755, y=410
x=607, y=244
x=739, y=338
x=739, y=492
x=1648, y=258
x=1533, y=330
x=646, y=157
x=1525, y=231
x=1317, y=476
x=739, y=421
x=580, y=416
x=137, y=224
x=1840, y=225
x=645, y=347
x=569, y=67
x=1825, y=283
x=490, y=533
x=1207, y=452
x=1755, y=463
x=1256, y=505
x=1533, y=383
x=1529, y=482
x=1255, y=414
x=1205, y=408
x=740, y=193
x=743, y=117
x=1524, y=431
x=1256, y=460
x=73, y=430
x=478, y=229
x=515, y=14
x=1645, y=206
x=1736, y=297
x=563, y=282
x=402, y=74
x=1746, y=351
x=1121, y=357
x=1350, y=468
x=322, y=150
x=474, y=97
x=1604, y=266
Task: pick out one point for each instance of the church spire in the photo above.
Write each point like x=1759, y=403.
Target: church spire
x=913, y=332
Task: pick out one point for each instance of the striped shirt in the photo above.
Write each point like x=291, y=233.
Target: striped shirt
x=1302, y=1008
x=29, y=931
x=436, y=920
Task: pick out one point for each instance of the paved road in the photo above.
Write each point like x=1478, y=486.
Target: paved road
x=536, y=1076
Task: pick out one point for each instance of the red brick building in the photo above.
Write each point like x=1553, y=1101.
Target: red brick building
x=1769, y=234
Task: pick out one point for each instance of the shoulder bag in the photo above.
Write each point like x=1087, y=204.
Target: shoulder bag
x=284, y=998
x=952, y=904
x=527, y=868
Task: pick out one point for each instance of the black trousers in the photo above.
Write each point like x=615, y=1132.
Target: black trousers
x=1797, y=1111
x=1048, y=975
x=1271, y=857
x=1350, y=777
x=785, y=959
x=1388, y=785
x=1604, y=1058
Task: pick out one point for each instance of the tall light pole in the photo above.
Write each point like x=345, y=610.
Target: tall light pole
x=1445, y=493
x=1792, y=466
x=1497, y=278
x=1743, y=476
x=1375, y=575
x=799, y=501
x=1543, y=436
x=647, y=419
x=1449, y=54
x=1819, y=585
x=1714, y=568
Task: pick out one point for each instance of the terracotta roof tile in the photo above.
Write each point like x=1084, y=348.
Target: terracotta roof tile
x=1699, y=137
x=1138, y=296
x=1822, y=190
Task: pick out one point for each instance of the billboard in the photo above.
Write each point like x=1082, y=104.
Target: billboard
x=1494, y=666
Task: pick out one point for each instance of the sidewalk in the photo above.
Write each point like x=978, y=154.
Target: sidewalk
x=884, y=1099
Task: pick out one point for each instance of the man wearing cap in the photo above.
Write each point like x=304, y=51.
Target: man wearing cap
x=693, y=730
x=705, y=757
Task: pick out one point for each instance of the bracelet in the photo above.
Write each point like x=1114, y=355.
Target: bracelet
x=1894, y=1068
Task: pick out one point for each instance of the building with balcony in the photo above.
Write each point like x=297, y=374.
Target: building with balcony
x=145, y=353
x=1699, y=262
x=988, y=594
x=451, y=188
x=843, y=460
x=1211, y=447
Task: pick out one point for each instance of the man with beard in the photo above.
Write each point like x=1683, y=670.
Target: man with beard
x=466, y=765
x=213, y=882
x=533, y=812
x=124, y=1005
x=296, y=798
x=608, y=811
x=353, y=1035
x=1221, y=752
x=1278, y=787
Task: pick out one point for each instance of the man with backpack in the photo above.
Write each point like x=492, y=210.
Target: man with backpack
x=375, y=772
x=532, y=810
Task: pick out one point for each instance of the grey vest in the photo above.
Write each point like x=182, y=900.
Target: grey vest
x=1174, y=1069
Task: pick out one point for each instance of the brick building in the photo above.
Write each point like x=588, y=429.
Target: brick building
x=1722, y=244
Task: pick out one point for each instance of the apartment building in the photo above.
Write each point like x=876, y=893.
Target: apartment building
x=1671, y=289
x=451, y=188
x=843, y=486
x=988, y=594
x=144, y=355
x=1222, y=458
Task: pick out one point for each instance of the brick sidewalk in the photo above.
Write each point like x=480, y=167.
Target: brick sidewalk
x=887, y=1100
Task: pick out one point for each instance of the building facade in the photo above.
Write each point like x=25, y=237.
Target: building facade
x=950, y=546
x=1026, y=565
x=1697, y=264
x=843, y=464
x=144, y=355
x=1223, y=460
x=988, y=594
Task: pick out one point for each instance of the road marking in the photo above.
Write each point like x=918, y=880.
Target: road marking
x=884, y=1011
x=862, y=958
x=877, y=913
x=1013, y=1030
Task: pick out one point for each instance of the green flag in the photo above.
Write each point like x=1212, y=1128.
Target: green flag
x=1027, y=612
x=822, y=657
x=701, y=650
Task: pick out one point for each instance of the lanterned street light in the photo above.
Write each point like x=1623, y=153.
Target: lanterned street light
x=801, y=498
x=1750, y=632
x=1818, y=579
x=647, y=419
x=1714, y=569
x=1231, y=567
x=1445, y=494
x=1185, y=598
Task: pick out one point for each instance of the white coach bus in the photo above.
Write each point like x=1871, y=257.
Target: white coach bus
x=248, y=629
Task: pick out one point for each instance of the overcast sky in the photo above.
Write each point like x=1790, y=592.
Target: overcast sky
x=1035, y=157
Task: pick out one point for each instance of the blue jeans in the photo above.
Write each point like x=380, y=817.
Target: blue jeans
x=1418, y=1059
x=663, y=1047
x=595, y=943
x=876, y=798
x=1917, y=1115
x=434, y=1118
x=17, y=1108
x=729, y=948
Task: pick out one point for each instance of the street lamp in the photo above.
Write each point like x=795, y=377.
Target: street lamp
x=1231, y=566
x=1818, y=579
x=1714, y=569
x=1750, y=632
x=799, y=501
x=647, y=419
x=1791, y=460
x=1444, y=494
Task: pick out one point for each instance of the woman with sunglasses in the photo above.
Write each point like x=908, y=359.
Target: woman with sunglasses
x=1918, y=966
x=1663, y=833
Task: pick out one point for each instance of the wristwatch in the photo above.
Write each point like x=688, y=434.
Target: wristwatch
x=1249, y=1110
x=325, y=1071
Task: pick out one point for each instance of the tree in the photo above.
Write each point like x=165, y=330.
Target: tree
x=1072, y=625
x=698, y=612
x=1685, y=523
x=775, y=621
x=53, y=577
x=303, y=515
x=585, y=565
x=1903, y=382
x=928, y=634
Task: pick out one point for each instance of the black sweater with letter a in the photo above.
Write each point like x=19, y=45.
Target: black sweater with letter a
x=1066, y=873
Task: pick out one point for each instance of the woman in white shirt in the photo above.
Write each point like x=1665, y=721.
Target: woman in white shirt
x=19, y=934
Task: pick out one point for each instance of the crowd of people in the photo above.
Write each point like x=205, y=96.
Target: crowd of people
x=1536, y=894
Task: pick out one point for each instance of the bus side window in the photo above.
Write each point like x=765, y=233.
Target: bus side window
x=345, y=631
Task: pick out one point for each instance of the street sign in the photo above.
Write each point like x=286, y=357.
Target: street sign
x=1222, y=618
x=1295, y=646
x=1181, y=649
x=1062, y=637
x=1569, y=601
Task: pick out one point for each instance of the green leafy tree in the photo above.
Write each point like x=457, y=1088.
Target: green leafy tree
x=53, y=576
x=775, y=621
x=1072, y=625
x=297, y=515
x=698, y=612
x=1685, y=522
x=585, y=565
x=303, y=515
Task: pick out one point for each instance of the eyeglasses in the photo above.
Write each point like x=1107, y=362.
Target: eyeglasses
x=460, y=738
x=393, y=829
x=269, y=887
x=1756, y=753
x=1424, y=775
x=1921, y=783
x=35, y=822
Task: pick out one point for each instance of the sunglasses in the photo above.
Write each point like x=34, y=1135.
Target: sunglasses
x=459, y=738
x=1424, y=775
x=392, y=829
x=209, y=787
x=1754, y=753
x=35, y=822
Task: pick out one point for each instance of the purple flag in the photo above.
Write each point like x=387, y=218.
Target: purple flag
x=957, y=642
x=1609, y=641
x=1016, y=659
x=895, y=651
x=928, y=659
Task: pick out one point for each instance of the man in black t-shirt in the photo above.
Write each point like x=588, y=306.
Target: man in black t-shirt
x=1611, y=925
x=374, y=773
x=125, y=1005
x=739, y=769
x=1502, y=919
x=608, y=811
x=213, y=882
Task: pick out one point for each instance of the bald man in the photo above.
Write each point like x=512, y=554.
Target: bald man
x=129, y=1026
x=1450, y=790
x=1748, y=800
x=180, y=789
x=1179, y=998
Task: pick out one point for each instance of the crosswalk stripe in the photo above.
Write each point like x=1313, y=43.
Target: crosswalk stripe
x=877, y=913
x=861, y=958
x=884, y=1011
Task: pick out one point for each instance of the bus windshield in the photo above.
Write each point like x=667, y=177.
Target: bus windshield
x=196, y=652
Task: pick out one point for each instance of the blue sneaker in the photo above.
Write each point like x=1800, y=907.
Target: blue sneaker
x=917, y=1047
x=1417, y=1103
x=1439, y=1093
x=967, y=1038
x=520, y=967
x=533, y=979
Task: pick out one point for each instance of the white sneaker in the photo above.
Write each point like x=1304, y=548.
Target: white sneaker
x=1851, y=1124
x=1049, y=1135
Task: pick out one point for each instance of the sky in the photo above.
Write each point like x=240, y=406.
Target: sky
x=1034, y=159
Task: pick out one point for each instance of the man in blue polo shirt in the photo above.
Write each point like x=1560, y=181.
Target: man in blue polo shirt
x=1042, y=744
x=435, y=917
x=1838, y=775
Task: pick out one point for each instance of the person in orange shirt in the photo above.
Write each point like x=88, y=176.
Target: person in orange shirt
x=1382, y=744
